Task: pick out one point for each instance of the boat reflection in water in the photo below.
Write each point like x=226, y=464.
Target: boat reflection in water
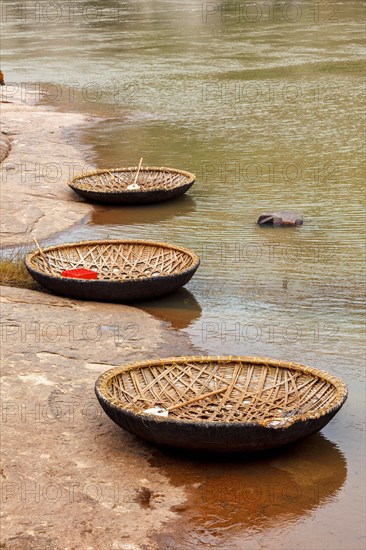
x=235, y=503
x=180, y=309
x=143, y=214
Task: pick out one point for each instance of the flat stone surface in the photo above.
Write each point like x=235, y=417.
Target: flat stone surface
x=71, y=478
x=35, y=198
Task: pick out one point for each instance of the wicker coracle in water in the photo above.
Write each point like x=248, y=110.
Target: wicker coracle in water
x=127, y=270
x=131, y=185
x=220, y=404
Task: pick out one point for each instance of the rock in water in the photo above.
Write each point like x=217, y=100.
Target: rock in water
x=282, y=218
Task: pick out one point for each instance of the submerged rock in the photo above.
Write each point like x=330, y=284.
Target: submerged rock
x=281, y=218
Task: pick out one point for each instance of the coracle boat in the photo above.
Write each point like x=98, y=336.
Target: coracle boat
x=220, y=404
x=133, y=185
x=126, y=270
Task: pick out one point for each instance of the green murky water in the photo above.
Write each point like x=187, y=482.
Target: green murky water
x=264, y=102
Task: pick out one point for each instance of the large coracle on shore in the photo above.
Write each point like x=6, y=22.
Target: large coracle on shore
x=133, y=185
x=126, y=270
x=220, y=404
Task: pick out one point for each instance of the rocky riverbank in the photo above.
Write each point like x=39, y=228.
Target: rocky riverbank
x=39, y=160
x=71, y=479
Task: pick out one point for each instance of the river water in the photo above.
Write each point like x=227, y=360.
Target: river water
x=263, y=101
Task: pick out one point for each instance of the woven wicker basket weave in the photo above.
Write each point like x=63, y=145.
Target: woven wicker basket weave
x=155, y=184
x=220, y=403
x=127, y=270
